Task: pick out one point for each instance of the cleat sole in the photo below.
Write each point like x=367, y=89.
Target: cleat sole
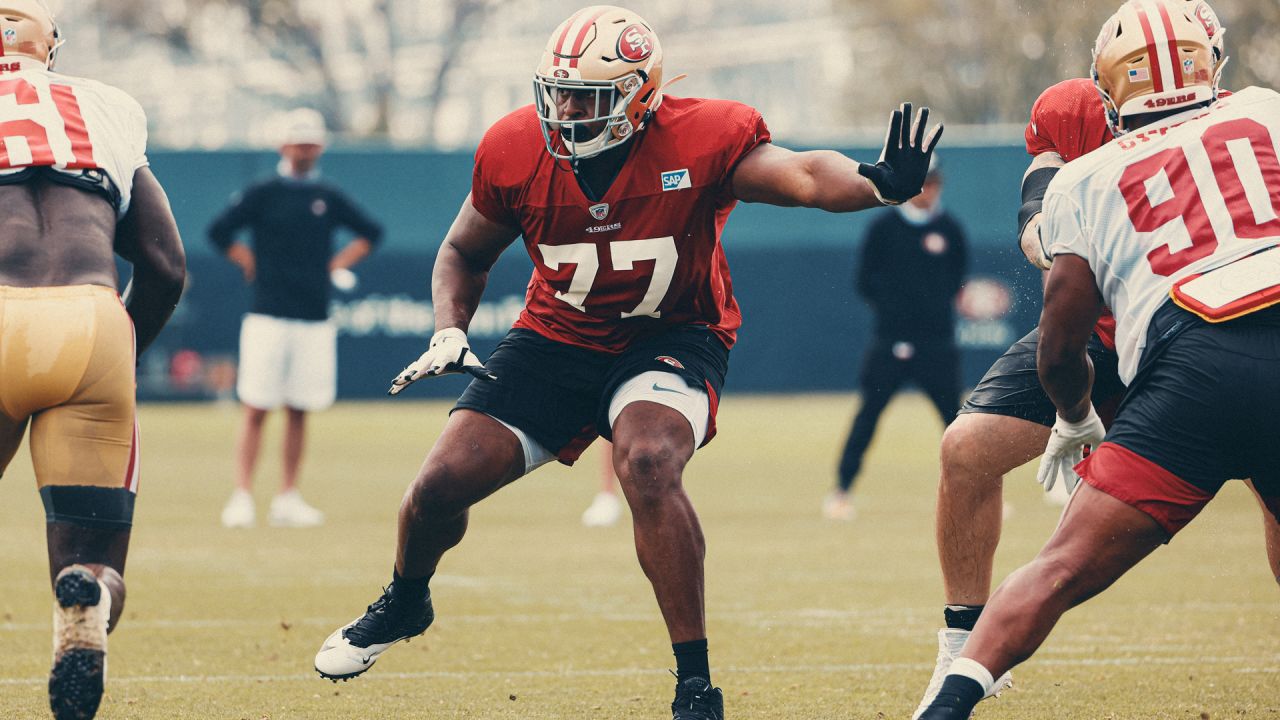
x=75, y=684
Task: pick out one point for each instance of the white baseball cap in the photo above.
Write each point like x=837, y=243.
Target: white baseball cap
x=303, y=126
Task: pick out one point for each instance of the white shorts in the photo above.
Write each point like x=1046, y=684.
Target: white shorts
x=289, y=362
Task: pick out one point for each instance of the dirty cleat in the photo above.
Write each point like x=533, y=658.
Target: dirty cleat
x=697, y=700
x=950, y=643
x=79, y=644
x=356, y=646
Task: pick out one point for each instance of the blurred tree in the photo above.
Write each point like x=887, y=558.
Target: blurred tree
x=318, y=40
x=985, y=61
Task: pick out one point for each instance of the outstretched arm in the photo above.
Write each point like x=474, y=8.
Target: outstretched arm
x=830, y=181
x=148, y=238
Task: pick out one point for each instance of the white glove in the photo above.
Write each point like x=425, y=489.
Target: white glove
x=1065, y=450
x=448, y=353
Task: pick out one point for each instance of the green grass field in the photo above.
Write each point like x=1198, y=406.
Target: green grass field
x=539, y=617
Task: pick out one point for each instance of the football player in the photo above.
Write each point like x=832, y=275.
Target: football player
x=75, y=186
x=1067, y=122
x=1131, y=227
x=620, y=193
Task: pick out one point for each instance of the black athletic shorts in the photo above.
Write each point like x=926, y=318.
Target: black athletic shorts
x=559, y=394
x=1012, y=387
x=1202, y=409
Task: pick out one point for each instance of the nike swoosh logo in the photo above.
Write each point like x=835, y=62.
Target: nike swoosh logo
x=659, y=388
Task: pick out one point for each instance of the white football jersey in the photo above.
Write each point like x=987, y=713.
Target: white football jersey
x=71, y=124
x=1182, y=196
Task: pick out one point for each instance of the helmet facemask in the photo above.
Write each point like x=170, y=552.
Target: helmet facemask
x=605, y=125
x=598, y=83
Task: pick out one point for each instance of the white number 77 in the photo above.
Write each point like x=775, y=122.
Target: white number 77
x=625, y=254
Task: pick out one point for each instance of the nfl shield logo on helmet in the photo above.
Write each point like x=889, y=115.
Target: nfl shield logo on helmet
x=600, y=211
x=670, y=361
x=10, y=36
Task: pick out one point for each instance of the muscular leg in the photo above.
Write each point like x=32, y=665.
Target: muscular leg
x=295, y=428
x=978, y=449
x=1271, y=529
x=1099, y=539
x=247, y=444
x=474, y=457
x=102, y=551
x=652, y=444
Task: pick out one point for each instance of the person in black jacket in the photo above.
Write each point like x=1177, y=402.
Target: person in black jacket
x=914, y=260
x=288, y=347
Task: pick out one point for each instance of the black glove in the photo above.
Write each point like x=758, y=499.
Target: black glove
x=903, y=164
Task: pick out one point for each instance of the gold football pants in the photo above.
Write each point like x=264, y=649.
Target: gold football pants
x=67, y=369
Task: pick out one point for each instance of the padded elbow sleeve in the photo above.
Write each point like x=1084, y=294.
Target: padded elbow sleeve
x=1034, y=186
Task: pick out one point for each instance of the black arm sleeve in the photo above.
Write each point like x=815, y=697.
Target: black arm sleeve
x=1034, y=186
x=350, y=216
x=236, y=215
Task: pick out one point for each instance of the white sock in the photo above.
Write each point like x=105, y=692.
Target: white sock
x=972, y=669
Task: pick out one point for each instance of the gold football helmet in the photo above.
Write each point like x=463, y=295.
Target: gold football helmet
x=1153, y=56
x=599, y=81
x=27, y=28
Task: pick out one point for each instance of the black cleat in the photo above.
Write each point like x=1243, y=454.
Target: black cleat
x=697, y=700
x=79, y=645
x=353, y=648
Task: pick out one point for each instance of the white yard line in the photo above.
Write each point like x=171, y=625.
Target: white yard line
x=639, y=672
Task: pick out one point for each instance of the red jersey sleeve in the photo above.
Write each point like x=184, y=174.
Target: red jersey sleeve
x=503, y=166
x=1067, y=118
x=748, y=131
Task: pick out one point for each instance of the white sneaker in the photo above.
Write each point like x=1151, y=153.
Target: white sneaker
x=80, y=618
x=838, y=506
x=288, y=509
x=604, y=511
x=238, y=512
x=950, y=643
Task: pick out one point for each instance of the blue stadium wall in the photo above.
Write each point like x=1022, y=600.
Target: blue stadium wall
x=804, y=327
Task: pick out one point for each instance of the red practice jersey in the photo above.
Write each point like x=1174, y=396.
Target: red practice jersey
x=1069, y=119
x=647, y=255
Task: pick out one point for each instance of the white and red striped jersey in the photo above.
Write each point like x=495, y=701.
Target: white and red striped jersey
x=71, y=124
x=1177, y=198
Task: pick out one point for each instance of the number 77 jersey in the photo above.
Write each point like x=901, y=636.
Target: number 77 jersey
x=1175, y=199
x=92, y=135
x=646, y=255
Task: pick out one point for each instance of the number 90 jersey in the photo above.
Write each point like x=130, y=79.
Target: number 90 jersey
x=644, y=257
x=78, y=127
x=1182, y=196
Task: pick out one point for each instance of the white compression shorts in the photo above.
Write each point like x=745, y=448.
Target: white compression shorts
x=654, y=386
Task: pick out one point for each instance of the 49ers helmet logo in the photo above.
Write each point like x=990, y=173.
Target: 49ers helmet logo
x=635, y=44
